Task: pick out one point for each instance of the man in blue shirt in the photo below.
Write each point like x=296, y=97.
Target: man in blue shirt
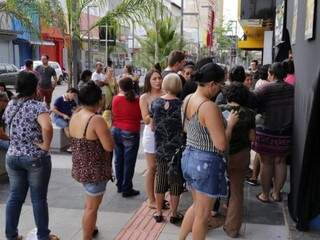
x=63, y=108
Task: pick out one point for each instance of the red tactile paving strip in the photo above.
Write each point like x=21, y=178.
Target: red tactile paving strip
x=142, y=226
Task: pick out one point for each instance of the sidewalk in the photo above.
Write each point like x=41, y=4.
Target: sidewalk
x=66, y=201
x=66, y=198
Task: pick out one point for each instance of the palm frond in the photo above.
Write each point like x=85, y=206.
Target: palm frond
x=126, y=12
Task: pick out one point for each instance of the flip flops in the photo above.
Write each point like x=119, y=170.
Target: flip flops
x=276, y=199
x=262, y=200
x=165, y=205
x=158, y=217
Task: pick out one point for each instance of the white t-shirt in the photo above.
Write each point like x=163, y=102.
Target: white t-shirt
x=98, y=77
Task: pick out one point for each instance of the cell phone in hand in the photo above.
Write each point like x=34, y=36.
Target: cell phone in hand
x=226, y=114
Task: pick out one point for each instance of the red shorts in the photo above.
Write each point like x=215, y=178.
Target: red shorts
x=45, y=95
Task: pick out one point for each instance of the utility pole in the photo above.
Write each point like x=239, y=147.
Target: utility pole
x=106, y=53
x=182, y=13
x=89, y=42
x=75, y=45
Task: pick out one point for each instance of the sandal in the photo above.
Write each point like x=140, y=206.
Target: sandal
x=273, y=199
x=53, y=237
x=215, y=214
x=95, y=232
x=262, y=200
x=158, y=218
x=176, y=219
x=165, y=205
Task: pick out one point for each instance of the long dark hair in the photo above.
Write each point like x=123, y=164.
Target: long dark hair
x=129, y=68
x=147, y=84
x=126, y=85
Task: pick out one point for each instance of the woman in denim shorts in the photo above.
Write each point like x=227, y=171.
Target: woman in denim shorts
x=91, y=144
x=203, y=164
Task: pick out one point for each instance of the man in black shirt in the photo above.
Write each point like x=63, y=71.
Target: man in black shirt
x=254, y=71
x=46, y=74
x=176, y=62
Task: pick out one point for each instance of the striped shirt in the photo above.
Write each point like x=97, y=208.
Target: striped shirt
x=198, y=135
x=276, y=103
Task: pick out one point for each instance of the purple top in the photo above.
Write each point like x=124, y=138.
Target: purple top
x=24, y=129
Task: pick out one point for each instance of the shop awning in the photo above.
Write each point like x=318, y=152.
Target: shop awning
x=8, y=35
x=43, y=43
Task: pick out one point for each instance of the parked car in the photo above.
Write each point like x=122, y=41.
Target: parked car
x=55, y=66
x=8, y=73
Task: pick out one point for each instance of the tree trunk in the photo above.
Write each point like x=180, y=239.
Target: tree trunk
x=75, y=47
x=75, y=60
x=156, y=47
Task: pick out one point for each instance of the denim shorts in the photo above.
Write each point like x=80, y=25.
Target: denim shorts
x=95, y=189
x=60, y=122
x=204, y=172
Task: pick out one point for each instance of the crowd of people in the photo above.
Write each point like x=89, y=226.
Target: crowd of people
x=201, y=122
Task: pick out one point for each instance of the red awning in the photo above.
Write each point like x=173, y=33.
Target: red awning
x=51, y=32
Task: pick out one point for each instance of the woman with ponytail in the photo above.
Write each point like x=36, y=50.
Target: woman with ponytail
x=126, y=117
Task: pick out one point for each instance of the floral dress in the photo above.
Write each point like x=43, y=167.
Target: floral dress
x=168, y=127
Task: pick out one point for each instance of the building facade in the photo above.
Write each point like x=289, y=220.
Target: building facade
x=7, y=35
x=27, y=44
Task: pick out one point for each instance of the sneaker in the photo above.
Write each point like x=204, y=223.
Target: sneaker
x=130, y=193
x=252, y=182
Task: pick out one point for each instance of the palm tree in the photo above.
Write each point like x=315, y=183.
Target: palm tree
x=48, y=11
x=125, y=12
x=162, y=37
x=52, y=14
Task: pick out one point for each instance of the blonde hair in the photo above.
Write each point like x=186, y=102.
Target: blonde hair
x=172, y=83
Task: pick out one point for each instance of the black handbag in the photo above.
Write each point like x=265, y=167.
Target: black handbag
x=174, y=173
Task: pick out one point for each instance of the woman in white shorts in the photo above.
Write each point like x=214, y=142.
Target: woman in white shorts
x=152, y=90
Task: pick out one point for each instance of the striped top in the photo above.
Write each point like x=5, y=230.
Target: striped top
x=276, y=103
x=197, y=135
